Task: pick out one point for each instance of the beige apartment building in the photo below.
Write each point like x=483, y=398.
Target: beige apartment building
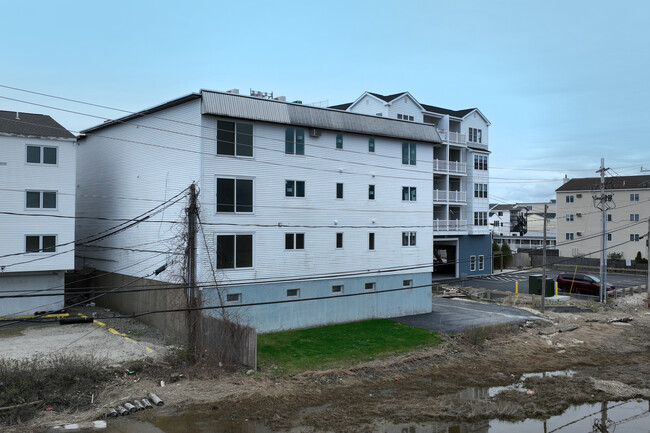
x=579, y=224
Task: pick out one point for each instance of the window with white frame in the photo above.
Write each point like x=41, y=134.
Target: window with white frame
x=41, y=155
x=371, y=192
x=480, y=190
x=480, y=162
x=569, y=236
x=408, y=239
x=475, y=135
x=634, y=238
x=634, y=217
x=337, y=288
x=405, y=117
x=609, y=217
x=371, y=241
x=409, y=151
x=234, y=251
x=370, y=286
x=480, y=219
x=294, y=241
x=409, y=193
x=40, y=244
x=294, y=188
x=481, y=263
x=234, y=138
x=294, y=141
x=634, y=197
x=234, y=195
x=40, y=199
x=371, y=145
x=569, y=217
x=569, y=199
x=407, y=283
x=472, y=263
x=339, y=240
x=609, y=236
x=293, y=293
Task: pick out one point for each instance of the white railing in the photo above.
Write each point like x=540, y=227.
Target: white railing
x=452, y=137
x=440, y=165
x=458, y=196
x=449, y=225
x=440, y=195
x=457, y=167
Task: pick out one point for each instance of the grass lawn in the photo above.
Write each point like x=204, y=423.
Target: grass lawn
x=335, y=345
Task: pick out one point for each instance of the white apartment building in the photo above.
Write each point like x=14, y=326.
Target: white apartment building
x=579, y=222
x=37, y=192
x=521, y=225
x=309, y=215
x=461, y=234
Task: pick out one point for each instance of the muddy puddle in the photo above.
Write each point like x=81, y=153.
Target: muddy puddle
x=632, y=416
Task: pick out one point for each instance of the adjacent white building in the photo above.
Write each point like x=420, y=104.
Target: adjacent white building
x=579, y=224
x=308, y=215
x=37, y=229
x=521, y=225
x=461, y=235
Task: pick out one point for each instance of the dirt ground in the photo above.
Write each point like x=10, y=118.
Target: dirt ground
x=602, y=352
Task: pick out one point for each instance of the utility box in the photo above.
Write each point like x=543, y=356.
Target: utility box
x=535, y=286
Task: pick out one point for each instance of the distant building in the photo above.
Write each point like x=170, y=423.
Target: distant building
x=37, y=192
x=579, y=221
x=521, y=225
x=461, y=237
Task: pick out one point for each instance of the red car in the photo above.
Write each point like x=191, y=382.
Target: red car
x=581, y=283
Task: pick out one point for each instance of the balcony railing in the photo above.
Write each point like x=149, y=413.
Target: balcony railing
x=452, y=137
x=449, y=225
x=441, y=195
x=449, y=166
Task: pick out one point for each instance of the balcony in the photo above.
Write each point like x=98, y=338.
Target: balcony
x=452, y=137
x=449, y=166
x=441, y=195
x=449, y=225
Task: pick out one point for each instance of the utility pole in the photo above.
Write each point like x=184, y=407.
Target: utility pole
x=647, y=287
x=192, y=211
x=603, y=235
x=544, y=260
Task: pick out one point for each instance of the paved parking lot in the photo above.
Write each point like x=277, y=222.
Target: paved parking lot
x=453, y=315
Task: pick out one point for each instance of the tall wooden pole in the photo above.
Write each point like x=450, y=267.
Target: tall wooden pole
x=192, y=210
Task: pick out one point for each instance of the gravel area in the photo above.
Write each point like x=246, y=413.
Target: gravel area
x=119, y=340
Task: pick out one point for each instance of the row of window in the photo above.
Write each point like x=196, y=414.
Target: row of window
x=236, y=194
x=480, y=218
x=337, y=289
x=633, y=217
x=472, y=263
x=480, y=162
x=40, y=199
x=480, y=190
x=40, y=243
x=236, y=139
x=41, y=155
x=475, y=135
x=235, y=251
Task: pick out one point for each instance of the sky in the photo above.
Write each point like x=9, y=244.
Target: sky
x=563, y=83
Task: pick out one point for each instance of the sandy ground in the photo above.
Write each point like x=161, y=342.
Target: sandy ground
x=599, y=360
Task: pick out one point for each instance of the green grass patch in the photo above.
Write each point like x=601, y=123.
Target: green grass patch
x=337, y=345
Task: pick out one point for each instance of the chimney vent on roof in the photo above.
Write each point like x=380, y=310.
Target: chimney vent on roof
x=234, y=91
x=566, y=178
x=281, y=98
x=17, y=115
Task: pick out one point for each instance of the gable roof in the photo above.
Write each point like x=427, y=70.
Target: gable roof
x=593, y=183
x=32, y=125
x=425, y=107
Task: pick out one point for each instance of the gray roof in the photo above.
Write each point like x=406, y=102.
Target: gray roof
x=31, y=125
x=429, y=108
x=611, y=183
x=268, y=110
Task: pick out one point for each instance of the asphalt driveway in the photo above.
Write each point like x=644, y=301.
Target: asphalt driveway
x=454, y=315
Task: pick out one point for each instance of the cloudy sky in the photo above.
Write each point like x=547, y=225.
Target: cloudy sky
x=564, y=83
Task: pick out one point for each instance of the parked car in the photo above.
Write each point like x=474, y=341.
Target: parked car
x=581, y=283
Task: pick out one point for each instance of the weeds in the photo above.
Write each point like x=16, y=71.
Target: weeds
x=61, y=381
x=478, y=336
